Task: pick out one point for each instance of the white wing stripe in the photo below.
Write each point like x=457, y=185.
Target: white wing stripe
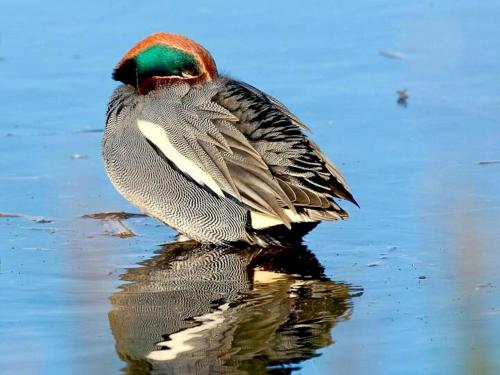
x=158, y=136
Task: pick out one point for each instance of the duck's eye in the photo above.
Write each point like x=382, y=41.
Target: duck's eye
x=188, y=74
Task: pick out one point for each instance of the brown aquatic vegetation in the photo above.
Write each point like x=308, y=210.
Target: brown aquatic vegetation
x=112, y=222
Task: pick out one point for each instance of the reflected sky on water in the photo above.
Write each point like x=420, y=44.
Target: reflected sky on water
x=423, y=246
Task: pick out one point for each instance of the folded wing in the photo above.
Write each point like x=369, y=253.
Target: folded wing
x=235, y=141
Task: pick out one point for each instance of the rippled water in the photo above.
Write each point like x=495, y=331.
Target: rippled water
x=409, y=284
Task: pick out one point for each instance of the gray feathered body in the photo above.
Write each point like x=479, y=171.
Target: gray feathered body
x=209, y=159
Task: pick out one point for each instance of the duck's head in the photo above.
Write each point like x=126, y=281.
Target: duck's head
x=163, y=59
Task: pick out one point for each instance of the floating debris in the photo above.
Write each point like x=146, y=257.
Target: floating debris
x=2, y=214
x=116, y=228
x=38, y=248
x=112, y=215
x=393, y=54
x=112, y=222
x=79, y=156
x=484, y=285
x=36, y=219
x=402, y=97
x=485, y=162
x=41, y=220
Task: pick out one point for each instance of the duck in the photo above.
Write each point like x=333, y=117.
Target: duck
x=215, y=158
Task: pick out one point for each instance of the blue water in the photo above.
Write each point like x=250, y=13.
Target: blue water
x=424, y=247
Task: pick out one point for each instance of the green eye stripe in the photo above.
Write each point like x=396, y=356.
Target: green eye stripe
x=164, y=59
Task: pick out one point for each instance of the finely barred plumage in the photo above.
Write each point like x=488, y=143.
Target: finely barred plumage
x=198, y=309
x=215, y=158
x=146, y=178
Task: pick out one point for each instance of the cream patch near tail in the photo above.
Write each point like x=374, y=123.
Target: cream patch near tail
x=261, y=221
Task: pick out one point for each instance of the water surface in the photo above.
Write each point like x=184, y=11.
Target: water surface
x=423, y=248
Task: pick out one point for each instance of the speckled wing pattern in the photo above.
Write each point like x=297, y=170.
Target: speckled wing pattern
x=250, y=146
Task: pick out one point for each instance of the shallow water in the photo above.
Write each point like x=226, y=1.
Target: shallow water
x=409, y=284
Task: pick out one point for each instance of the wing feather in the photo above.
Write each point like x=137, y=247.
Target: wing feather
x=251, y=146
x=217, y=147
x=306, y=175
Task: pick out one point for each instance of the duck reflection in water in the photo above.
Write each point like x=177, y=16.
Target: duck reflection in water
x=199, y=309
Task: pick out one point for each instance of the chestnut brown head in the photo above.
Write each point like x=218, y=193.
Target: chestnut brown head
x=163, y=59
